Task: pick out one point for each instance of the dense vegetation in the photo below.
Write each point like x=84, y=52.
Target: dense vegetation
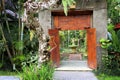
x=110, y=69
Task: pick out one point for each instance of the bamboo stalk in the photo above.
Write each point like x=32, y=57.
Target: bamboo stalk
x=21, y=29
x=8, y=51
x=6, y=20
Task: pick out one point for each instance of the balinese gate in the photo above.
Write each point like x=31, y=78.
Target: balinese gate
x=77, y=20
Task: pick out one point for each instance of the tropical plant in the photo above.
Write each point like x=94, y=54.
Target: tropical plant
x=105, y=43
x=32, y=72
x=112, y=59
x=66, y=4
x=115, y=39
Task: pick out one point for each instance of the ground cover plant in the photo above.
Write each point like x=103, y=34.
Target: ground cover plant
x=107, y=77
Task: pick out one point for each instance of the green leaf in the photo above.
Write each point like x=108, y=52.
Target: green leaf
x=19, y=45
x=102, y=40
x=66, y=4
x=32, y=33
x=117, y=0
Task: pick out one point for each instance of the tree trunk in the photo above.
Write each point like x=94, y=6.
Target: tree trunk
x=32, y=8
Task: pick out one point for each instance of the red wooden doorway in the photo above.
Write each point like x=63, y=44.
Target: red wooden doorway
x=75, y=22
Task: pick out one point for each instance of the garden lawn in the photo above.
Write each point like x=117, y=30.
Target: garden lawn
x=8, y=73
x=107, y=77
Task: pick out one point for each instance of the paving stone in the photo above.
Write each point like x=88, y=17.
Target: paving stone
x=74, y=75
x=76, y=65
x=9, y=78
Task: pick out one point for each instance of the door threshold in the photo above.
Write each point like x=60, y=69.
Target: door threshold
x=72, y=65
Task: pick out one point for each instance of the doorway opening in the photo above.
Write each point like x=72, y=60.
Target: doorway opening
x=75, y=21
x=73, y=45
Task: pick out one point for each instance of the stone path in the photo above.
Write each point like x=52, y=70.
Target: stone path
x=74, y=75
x=75, y=65
x=9, y=78
x=74, y=70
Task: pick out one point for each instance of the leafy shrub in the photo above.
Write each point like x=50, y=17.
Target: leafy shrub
x=115, y=38
x=110, y=65
x=31, y=58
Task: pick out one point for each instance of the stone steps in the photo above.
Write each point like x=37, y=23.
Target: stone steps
x=73, y=65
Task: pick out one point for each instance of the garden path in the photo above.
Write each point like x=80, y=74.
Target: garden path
x=76, y=65
x=9, y=78
x=74, y=70
x=74, y=75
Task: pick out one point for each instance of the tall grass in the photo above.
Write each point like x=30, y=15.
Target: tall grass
x=32, y=72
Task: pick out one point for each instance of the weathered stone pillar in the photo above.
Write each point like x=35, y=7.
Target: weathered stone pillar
x=100, y=23
x=45, y=20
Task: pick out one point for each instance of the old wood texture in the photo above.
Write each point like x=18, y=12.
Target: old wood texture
x=54, y=44
x=79, y=22
x=91, y=48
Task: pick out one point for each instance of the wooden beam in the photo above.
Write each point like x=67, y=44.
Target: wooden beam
x=71, y=12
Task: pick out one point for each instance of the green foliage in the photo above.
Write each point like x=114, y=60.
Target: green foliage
x=62, y=35
x=112, y=45
x=107, y=77
x=113, y=14
x=111, y=62
x=72, y=38
x=31, y=58
x=18, y=59
x=115, y=40
x=110, y=65
x=18, y=45
x=66, y=4
x=118, y=6
x=2, y=46
x=105, y=43
x=110, y=27
x=9, y=73
x=46, y=72
x=32, y=72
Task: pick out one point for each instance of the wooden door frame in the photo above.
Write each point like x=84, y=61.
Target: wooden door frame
x=86, y=28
